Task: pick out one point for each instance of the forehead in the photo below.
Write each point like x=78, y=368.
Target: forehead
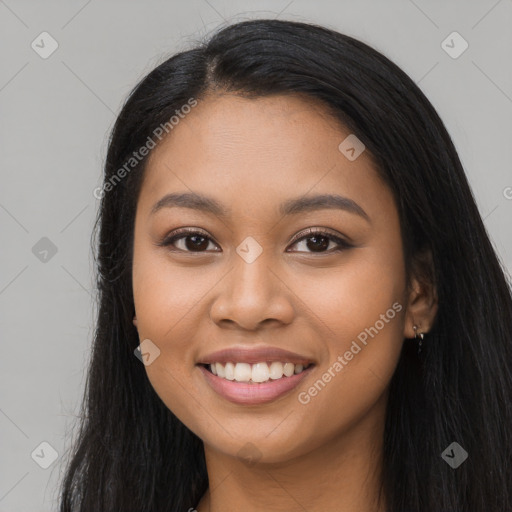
x=288, y=126
x=256, y=151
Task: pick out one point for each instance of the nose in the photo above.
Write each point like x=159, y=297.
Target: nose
x=252, y=295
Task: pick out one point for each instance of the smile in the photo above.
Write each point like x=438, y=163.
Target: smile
x=254, y=384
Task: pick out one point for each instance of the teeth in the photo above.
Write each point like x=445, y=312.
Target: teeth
x=259, y=372
x=276, y=370
x=229, y=371
x=220, y=370
x=242, y=372
x=288, y=369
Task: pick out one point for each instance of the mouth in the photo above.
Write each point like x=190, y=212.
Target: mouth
x=252, y=384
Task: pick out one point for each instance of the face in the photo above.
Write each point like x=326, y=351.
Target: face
x=324, y=281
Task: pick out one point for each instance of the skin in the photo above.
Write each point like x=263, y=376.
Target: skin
x=251, y=155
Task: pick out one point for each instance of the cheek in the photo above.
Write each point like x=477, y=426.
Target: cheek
x=361, y=313
x=165, y=300
x=165, y=296
x=353, y=297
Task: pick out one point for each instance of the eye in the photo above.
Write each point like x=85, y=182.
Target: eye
x=193, y=240
x=321, y=240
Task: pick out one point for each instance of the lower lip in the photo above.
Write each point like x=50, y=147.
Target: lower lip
x=253, y=394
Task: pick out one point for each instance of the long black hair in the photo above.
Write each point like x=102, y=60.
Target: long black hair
x=132, y=453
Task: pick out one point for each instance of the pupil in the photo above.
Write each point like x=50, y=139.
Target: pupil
x=320, y=246
x=198, y=244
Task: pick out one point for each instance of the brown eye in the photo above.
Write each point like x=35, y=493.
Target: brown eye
x=191, y=241
x=318, y=241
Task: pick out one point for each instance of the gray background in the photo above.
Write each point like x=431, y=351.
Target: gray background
x=55, y=117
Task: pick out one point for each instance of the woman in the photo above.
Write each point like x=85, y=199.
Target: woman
x=289, y=245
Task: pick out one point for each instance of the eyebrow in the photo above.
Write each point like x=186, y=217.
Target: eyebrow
x=294, y=206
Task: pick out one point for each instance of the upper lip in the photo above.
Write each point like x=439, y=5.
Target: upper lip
x=254, y=355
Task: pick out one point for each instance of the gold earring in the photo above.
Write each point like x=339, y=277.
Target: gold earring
x=418, y=335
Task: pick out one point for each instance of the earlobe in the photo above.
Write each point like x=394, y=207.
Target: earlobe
x=135, y=320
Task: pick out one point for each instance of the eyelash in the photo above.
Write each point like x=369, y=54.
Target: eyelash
x=309, y=233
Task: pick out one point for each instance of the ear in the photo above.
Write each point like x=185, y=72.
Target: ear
x=135, y=320
x=422, y=302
